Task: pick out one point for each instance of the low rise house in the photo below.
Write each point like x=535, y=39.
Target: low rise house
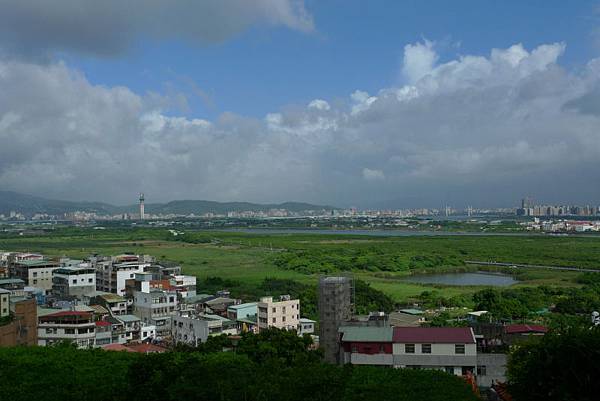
x=403, y=319
x=281, y=314
x=193, y=329
x=131, y=327
x=115, y=304
x=452, y=349
x=16, y=286
x=306, y=326
x=240, y=311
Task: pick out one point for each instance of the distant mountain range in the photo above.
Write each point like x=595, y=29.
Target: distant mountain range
x=28, y=204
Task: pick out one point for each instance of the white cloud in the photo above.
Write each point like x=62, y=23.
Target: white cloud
x=475, y=130
x=372, y=174
x=419, y=60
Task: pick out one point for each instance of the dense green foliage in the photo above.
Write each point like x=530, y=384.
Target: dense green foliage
x=561, y=366
x=274, y=365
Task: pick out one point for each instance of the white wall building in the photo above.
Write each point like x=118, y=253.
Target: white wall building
x=282, y=314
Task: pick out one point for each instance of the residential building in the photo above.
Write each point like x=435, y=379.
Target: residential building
x=21, y=327
x=4, y=303
x=336, y=297
x=306, y=326
x=131, y=327
x=115, y=304
x=36, y=273
x=367, y=345
x=156, y=308
x=404, y=319
x=16, y=286
x=282, y=314
x=112, y=274
x=184, y=285
x=241, y=311
x=73, y=281
x=74, y=326
x=452, y=349
x=193, y=329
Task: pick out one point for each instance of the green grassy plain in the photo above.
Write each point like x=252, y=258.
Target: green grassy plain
x=250, y=258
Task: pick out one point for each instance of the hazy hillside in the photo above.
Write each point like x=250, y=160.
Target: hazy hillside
x=29, y=204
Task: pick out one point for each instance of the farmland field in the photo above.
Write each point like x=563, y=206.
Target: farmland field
x=247, y=259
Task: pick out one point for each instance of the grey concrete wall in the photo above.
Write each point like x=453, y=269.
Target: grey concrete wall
x=495, y=365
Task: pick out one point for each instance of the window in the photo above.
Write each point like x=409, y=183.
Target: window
x=90, y=280
x=283, y=310
x=69, y=331
x=354, y=349
x=34, y=281
x=283, y=319
x=481, y=370
x=74, y=281
x=382, y=349
x=409, y=348
x=34, y=274
x=449, y=369
x=274, y=320
x=274, y=310
x=426, y=348
x=459, y=348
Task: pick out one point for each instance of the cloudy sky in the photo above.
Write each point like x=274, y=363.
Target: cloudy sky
x=343, y=102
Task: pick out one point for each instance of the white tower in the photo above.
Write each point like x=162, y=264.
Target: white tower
x=142, y=214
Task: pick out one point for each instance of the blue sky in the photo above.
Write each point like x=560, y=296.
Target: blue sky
x=355, y=45
x=351, y=103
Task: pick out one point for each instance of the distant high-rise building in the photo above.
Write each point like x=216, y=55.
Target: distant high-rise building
x=336, y=301
x=142, y=214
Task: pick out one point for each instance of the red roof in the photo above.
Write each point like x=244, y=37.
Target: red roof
x=433, y=335
x=116, y=347
x=146, y=348
x=524, y=328
x=102, y=323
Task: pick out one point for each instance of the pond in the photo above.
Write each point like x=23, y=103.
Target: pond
x=478, y=278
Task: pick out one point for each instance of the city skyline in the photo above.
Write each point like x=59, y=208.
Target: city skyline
x=284, y=102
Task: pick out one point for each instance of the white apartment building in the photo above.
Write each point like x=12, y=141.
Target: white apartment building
x=111, y=276
x=78, y=327
x=73, y=281
x=282, y=314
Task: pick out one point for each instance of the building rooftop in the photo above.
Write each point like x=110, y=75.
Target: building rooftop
x=242, y=306
x=524, y=328
x=411, y=311
x=129, y=318
x=461, y=335
x=36, y=263
x=99, y=309
x=3, y=291
x=305, y=320
x=366, y=333
x=11, y=281
x=110, y=297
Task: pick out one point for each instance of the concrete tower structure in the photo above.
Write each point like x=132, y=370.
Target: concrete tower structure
x=142, y=214
x=336, y=305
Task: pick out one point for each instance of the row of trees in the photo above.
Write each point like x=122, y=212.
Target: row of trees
x=273, y=365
